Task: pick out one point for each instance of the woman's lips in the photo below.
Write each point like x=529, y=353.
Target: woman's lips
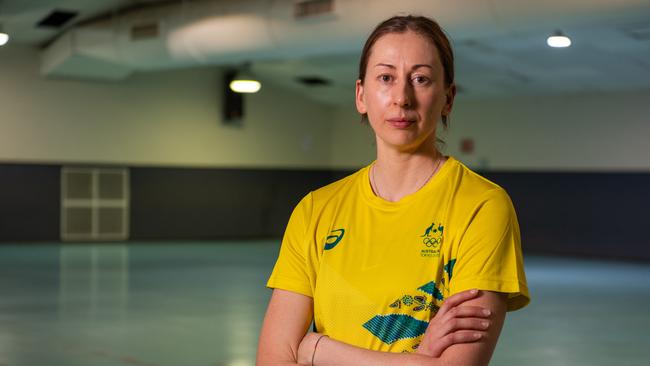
x=400, y=122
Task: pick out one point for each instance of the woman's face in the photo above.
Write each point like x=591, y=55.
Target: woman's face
x=404, y=91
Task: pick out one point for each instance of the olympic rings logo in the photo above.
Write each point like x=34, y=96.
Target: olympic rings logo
x=429, y=242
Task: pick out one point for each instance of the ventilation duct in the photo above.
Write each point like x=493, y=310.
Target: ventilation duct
x=191, y=33
x=313, y=8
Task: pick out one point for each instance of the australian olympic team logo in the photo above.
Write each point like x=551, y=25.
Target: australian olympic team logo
x=432, y=239
x=334, y=238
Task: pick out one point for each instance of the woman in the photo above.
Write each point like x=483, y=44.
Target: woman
x=412, y=260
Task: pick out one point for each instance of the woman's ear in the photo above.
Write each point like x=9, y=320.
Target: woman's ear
x=449, y=102
x=360, y=98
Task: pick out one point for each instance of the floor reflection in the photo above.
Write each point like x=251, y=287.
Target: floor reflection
x=203, y=304
x=94, y=282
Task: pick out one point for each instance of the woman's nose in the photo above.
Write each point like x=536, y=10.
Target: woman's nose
x=403, y=93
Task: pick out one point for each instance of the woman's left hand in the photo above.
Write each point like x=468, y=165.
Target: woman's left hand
x=455, y=323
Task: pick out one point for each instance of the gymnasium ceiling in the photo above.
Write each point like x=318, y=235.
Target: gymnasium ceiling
x=500, y=44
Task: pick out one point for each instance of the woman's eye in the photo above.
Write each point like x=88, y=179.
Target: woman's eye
x=385, y=78
x=421, y=80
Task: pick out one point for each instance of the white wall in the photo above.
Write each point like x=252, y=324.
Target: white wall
x=166, y=118
x=580, y=132
x=174, y=118
x=353, y=142
x=599, y=132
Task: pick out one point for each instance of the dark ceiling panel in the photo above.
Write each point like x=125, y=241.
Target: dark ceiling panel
x=57, y=18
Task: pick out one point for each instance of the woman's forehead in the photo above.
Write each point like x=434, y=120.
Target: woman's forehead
x=403, y=48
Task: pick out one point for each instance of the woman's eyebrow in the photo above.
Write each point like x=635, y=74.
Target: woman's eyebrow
x=412, y=68
x=385, y=65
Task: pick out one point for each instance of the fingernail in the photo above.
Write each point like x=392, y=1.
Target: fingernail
x=486, y=312
x=485, y=324
x=474, y=291
x=477, y=335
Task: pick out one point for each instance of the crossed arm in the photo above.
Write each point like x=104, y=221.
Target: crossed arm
x=449, y=339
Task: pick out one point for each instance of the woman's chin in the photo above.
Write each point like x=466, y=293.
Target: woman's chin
x=403, y=140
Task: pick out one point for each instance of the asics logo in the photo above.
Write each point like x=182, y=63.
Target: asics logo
x=334, y=238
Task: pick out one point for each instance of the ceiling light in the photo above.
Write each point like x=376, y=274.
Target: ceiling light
x=244, y=82
x=558, y=40
x=245, y=86
x=4, y=37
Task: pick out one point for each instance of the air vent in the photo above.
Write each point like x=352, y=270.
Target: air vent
x=94, y=204
x=518, y=76
x=478, y=46
x=144, y=31
x=640, y=31
x=57, y=18
x=313, y=81
x=312, y=8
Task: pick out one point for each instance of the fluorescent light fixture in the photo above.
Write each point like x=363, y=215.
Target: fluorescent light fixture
x=245, y=85
x=242, y=81
x=558, y=40
x=4, y=37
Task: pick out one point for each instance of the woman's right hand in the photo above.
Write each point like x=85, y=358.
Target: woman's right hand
x=454, y=324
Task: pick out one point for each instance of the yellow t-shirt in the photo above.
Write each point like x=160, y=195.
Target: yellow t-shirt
x=378, y=270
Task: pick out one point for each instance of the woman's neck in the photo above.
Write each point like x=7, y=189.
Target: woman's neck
x=397, y=174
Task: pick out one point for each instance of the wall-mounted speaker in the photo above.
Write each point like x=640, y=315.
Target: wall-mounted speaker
x=233, y=103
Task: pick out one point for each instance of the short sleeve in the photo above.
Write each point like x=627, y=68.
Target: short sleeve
x=292, y=271
x=489, y=255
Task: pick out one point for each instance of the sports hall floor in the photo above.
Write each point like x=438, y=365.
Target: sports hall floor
x=187, y=303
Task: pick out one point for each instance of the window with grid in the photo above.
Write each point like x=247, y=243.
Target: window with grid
x=94, y=204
